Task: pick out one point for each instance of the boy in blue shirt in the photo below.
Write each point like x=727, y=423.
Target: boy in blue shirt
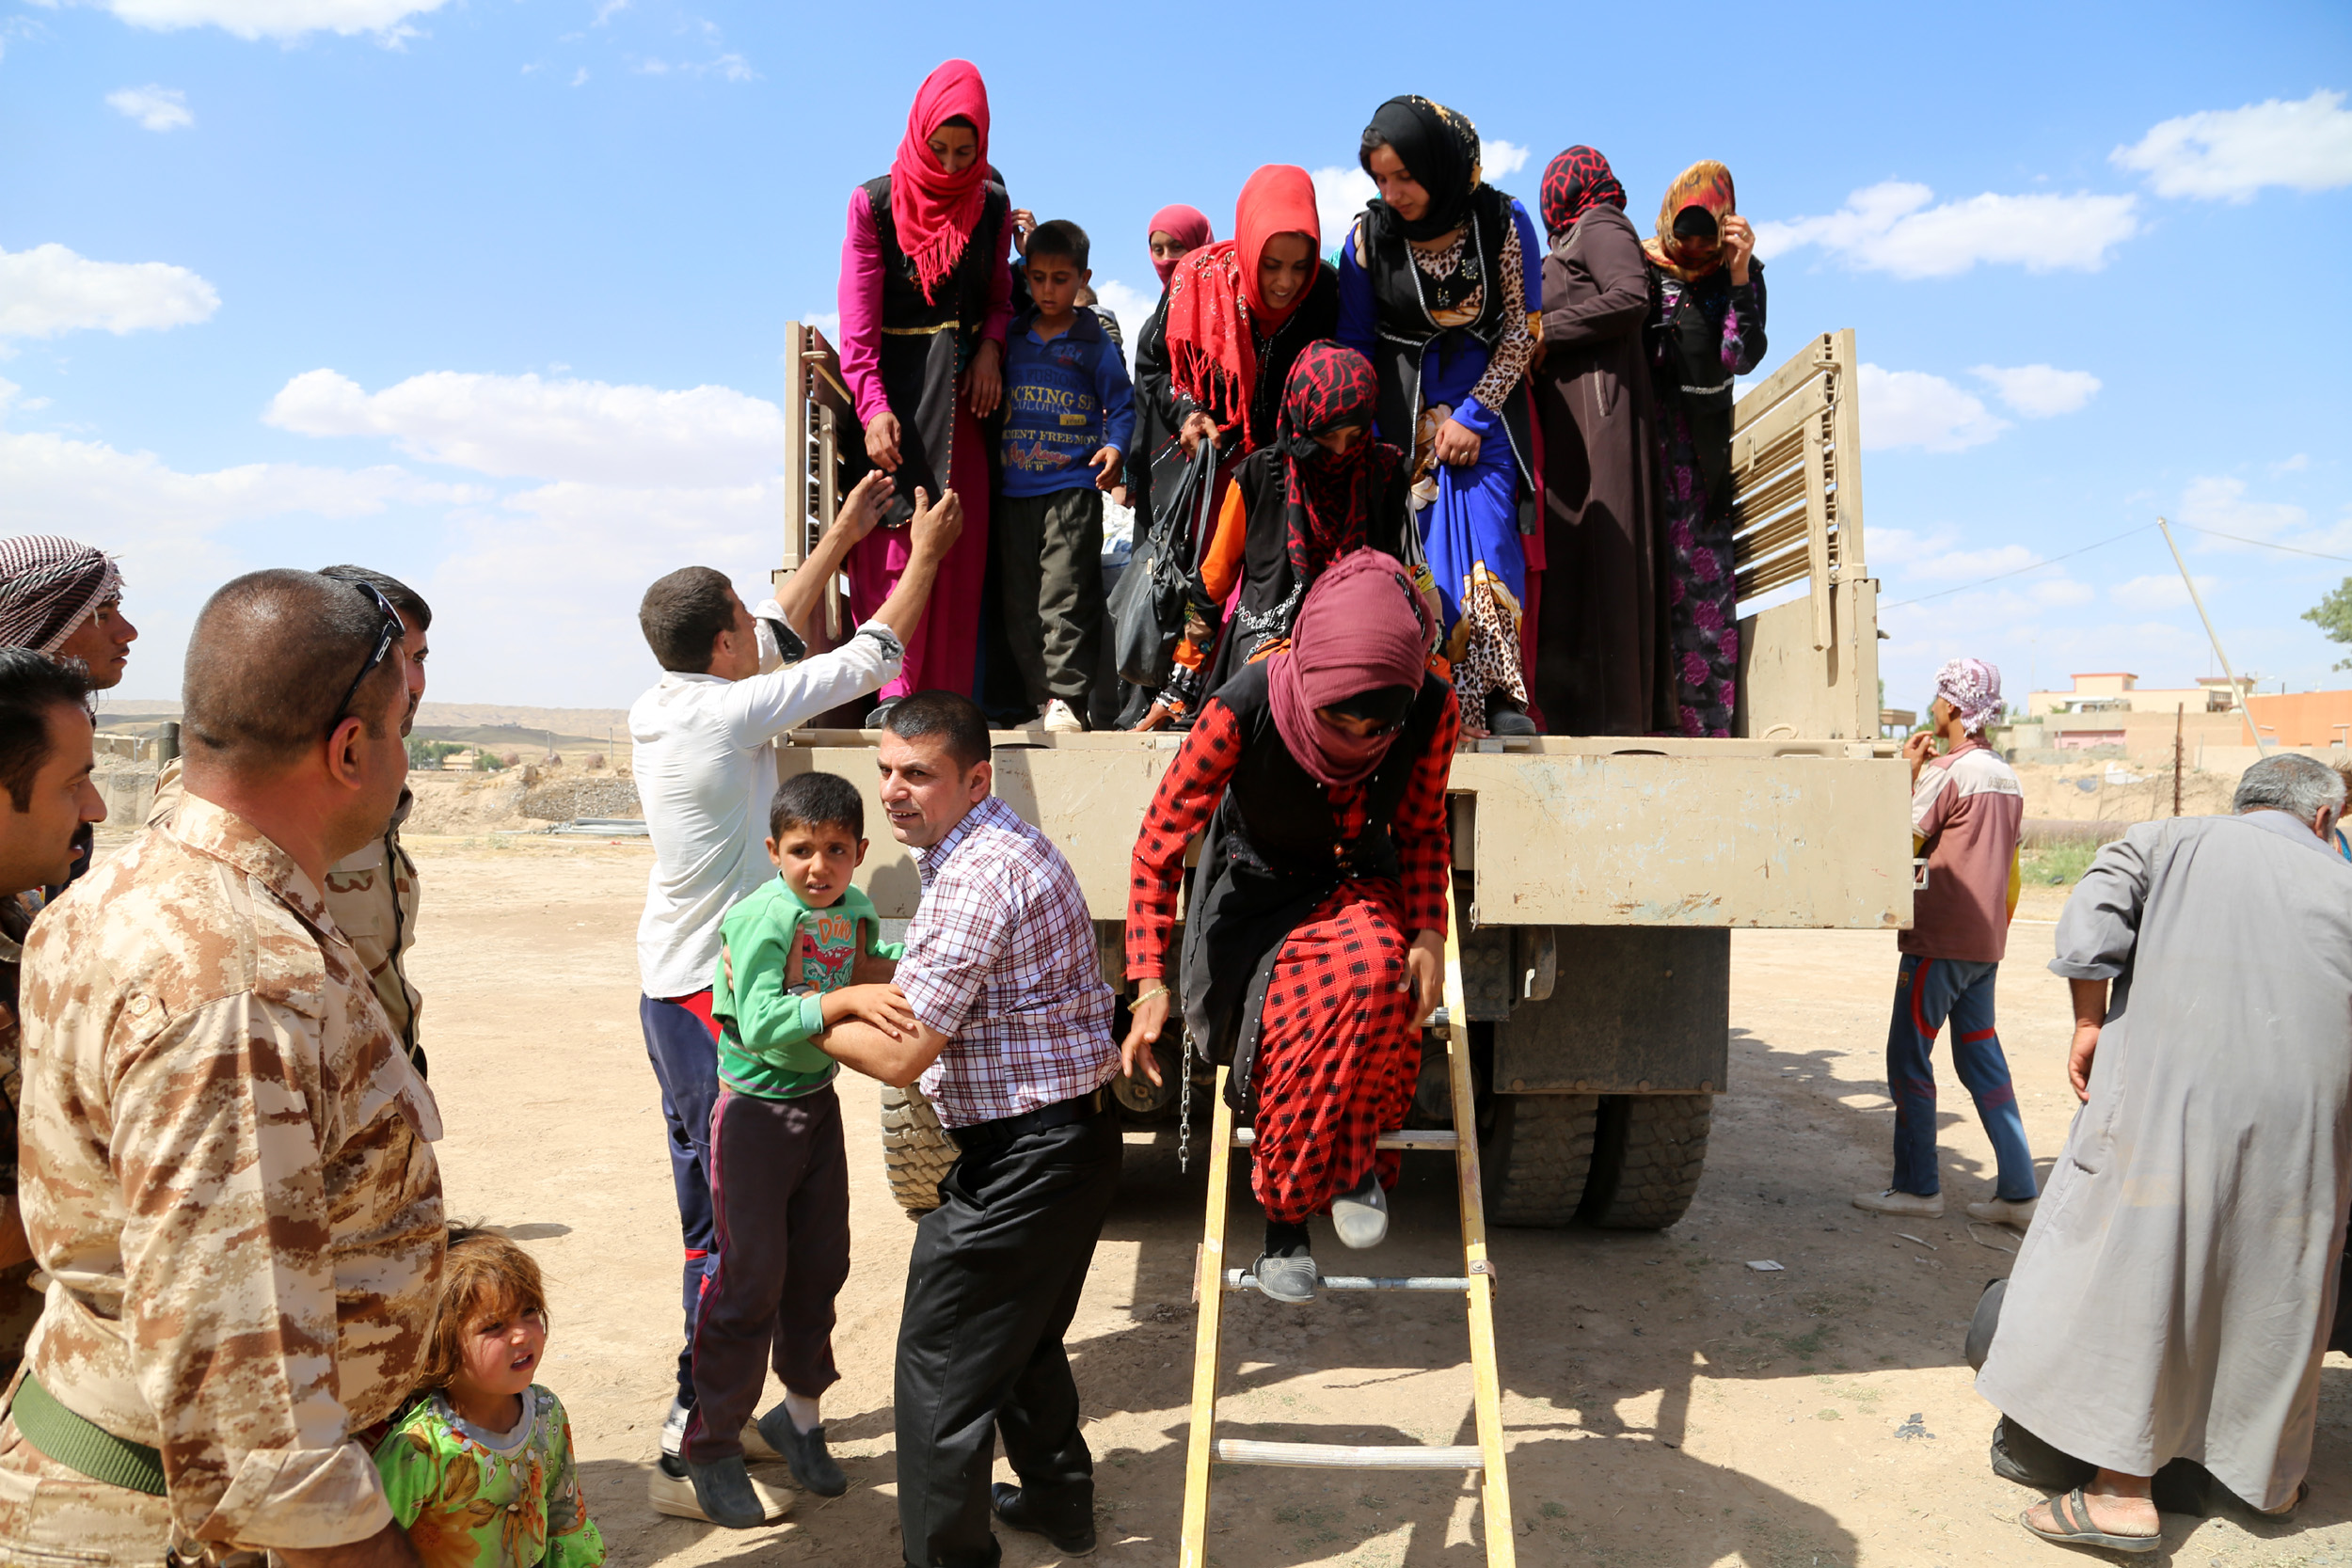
x=790, y=957
x=1070, y=413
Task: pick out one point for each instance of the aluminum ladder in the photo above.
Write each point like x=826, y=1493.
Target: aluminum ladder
x=1476, y=1283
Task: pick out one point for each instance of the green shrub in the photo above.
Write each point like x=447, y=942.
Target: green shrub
x=2057, y=864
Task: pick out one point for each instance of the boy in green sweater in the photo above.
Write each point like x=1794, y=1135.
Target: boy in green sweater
x=791, y=958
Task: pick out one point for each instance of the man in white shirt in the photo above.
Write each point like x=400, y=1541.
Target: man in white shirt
x=704, y=774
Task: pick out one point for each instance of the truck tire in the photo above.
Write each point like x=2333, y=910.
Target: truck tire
x=916, y=1150
x=1648, y=1150
x=1538, y=1156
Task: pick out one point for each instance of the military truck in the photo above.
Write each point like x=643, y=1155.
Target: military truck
x=1600, y=876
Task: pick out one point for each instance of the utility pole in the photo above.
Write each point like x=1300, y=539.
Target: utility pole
x=2237, y=695
x=2178, y=709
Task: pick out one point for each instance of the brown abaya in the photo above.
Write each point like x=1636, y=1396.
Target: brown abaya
x=1599, y=639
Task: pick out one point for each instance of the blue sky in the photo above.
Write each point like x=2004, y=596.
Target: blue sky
x=490, y=294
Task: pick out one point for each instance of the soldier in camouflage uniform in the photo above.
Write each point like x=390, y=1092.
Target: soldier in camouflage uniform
x=372, y=891
x=45, y=757
x=227, y=1162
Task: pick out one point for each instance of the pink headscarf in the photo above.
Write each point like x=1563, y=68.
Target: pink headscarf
x=933, y=210
x=1187, y=225
x=1362, y=627
x=1974, y=688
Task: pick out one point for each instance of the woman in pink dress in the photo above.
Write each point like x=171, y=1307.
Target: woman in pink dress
x=925, y=298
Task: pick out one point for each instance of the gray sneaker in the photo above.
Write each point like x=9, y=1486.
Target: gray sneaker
x=1361, y=1217
x=673, y=1428
x=724, y=1489
x=811, y=1462
x=1291, y=1279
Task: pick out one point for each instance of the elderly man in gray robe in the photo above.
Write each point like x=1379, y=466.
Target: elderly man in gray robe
x=2174, y=1296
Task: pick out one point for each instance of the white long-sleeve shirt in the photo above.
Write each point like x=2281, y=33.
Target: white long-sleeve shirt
x=704, y=777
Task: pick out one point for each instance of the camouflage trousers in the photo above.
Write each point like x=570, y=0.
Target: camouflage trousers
x=53, y=1517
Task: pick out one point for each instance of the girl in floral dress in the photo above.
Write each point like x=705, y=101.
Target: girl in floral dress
x=478, y=1465
x=1706, y=326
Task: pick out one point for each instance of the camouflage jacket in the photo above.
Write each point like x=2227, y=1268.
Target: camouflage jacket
x=378, y=912
x=227, y=1172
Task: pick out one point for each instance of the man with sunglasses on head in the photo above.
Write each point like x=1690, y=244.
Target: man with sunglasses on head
x=226, y=1161
x=372, y=891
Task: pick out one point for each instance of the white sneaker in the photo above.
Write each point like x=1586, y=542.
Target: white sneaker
x=1361, y=1217
x=673, y=1495
x=2000, y=1210
x=673, y=1428
x=1908, y=1204
x=1061, y=720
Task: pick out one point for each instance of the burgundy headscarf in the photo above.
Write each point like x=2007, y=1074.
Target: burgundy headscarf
x=1187, y=225
x=1362, y=627
x=1575, y=182
x=933, y=211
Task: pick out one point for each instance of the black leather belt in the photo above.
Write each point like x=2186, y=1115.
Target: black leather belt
x=1062, y=1113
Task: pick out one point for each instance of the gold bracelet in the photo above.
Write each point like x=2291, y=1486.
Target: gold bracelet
x=1142, y=997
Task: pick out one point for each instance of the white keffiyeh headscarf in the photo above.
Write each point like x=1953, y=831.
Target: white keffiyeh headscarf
x=1974, y=688
x=48, y=587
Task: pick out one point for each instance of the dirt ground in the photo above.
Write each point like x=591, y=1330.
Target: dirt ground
x=1666, y=1404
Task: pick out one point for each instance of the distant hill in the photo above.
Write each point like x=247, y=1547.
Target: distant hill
x=492, y=725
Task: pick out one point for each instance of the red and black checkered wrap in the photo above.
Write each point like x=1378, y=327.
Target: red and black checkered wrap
x=1330, y=494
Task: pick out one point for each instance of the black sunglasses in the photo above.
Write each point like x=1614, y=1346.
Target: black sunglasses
x=389, y=635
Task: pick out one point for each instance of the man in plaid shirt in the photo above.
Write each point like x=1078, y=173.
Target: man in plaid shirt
x=1012, y=1044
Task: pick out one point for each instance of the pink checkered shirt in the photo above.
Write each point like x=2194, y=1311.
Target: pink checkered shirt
x=1000, y=958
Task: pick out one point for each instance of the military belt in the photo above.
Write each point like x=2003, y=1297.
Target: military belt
x=81, y=1444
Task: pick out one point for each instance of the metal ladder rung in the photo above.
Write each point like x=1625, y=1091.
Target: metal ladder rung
x=1344, y=1456
x=1418, y=1137
x=1241, y=1279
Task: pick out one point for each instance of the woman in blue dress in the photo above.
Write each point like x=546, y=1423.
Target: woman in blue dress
x=1437, y=284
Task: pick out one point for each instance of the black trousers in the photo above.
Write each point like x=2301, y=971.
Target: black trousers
x=992, y=1286
x=780, y=1181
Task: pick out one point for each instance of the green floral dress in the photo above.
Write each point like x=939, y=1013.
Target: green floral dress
x=470, y=1499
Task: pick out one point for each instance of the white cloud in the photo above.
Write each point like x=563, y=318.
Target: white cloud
x=580, y=77
x=1912, y=408
x=1340, y=191
x=2218, y=501
x=729, y=67
x=829, y=323
x=1500, y=160
x=1890, y=228
x=1132, y=305
x=49, y=290
x=1962, y=564
x=521, y=425
x=155, y=108
x=2228, y=154
x=277, y=19
x=2039, y=391
x=2160, y=591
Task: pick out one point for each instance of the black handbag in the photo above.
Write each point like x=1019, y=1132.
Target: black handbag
x=1146, y=605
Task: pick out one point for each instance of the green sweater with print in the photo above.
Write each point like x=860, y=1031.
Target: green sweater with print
x=769, y=1013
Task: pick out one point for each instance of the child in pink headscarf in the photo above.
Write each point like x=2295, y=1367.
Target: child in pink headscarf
x=1967, y=810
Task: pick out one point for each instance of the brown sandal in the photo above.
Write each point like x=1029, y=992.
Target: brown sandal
x=2079, y=1531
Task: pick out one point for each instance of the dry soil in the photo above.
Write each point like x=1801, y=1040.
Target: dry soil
x=1666, y=1404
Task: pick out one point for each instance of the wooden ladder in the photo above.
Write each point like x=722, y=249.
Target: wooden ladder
x=1484, y=1458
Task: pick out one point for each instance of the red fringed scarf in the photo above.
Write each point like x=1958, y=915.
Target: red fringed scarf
x=1214, y=309
x=934, y=212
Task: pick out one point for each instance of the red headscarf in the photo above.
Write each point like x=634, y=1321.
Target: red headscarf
x=1362, y=627
x=1575, y=182
x=933, y=210
x=1212, y=301
x=1187, y=225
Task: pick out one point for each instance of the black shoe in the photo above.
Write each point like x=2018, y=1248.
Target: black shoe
x=1504, y=717
x=1013, y=1509
x=805, y=1453
x=724, y=1488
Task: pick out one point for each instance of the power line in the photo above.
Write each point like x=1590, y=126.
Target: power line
x=2262, y=544
x=2021, y=571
